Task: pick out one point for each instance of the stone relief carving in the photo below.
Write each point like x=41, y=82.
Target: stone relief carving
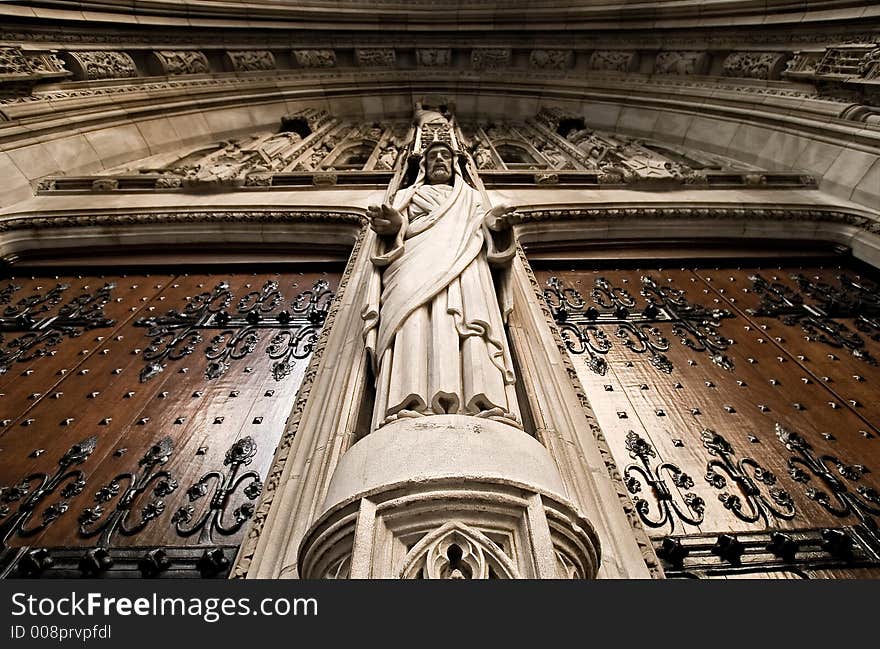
x=375, y=57
x=251, y=60
x=551, y=59
x=486, y=58
x=437, y=342
x=456, y=551
x=432, y=58
x=755, y=65
x=681, y=63
x=95, y=66
x=13, y=61
x=315, y=58
x=174, y=62
x=614, y=60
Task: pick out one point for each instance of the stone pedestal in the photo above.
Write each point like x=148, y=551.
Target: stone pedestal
x=448, y=496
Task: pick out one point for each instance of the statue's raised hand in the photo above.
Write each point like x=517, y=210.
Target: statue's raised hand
x=497, y=217
x=384, y=219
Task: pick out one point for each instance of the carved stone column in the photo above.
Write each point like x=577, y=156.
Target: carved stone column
x=448, y=496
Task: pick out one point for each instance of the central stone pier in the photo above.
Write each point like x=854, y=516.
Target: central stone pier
x=448, y=496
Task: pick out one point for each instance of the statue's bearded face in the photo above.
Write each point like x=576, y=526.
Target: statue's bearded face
x=438, y=165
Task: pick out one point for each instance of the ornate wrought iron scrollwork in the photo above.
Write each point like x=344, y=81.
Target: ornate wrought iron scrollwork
x=32, y=490
x=578, y=322
x=759, y=497
x=136, y=484
x=239, y=455
x=176, y=334
x=841, y=502
x=669, y=508
x=817, y=306
x=40, y=332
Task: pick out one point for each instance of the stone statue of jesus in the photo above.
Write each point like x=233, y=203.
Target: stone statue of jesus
x=434, y=324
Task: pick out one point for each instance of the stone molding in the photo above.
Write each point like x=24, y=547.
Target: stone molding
x=172, y=217
x=757, y=214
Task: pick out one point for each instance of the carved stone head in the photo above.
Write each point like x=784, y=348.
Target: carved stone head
x=439, y=164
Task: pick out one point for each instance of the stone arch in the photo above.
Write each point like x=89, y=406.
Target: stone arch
x=457, y=551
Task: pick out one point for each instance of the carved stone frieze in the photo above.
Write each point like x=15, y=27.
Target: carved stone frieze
x=755, y=65
x=176, y=62
x=487, y=58
x=251, y=60
x=434, y=57
x=678, y=62
x=373, y=57
x=614, y=61
x=551, y=59
x=315, y=58
x=94, y=66
x=205, y=216
x=13, y=62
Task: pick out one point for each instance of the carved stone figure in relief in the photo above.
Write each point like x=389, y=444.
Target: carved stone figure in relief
x=434, y=323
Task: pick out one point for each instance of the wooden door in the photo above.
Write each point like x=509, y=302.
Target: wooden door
x=740, y=403
x=140, y=413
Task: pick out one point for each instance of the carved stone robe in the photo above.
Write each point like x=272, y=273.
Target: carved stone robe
x=434, y=323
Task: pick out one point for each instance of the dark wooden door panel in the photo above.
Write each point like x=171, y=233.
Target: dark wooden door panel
x=699, y=392
x=173, y=411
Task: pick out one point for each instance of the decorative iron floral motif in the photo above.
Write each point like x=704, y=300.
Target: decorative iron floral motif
x=578, y=321
x=239, y=455
x=137, y=483
x=818, y=307
x=838, y=500
x=39, y=331
x=70, y=482
x=176, y=334
x=669, y=508
x=759, y=496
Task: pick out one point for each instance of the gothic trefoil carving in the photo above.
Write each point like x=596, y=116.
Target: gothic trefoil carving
x=456, y=551
x=236, y=332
